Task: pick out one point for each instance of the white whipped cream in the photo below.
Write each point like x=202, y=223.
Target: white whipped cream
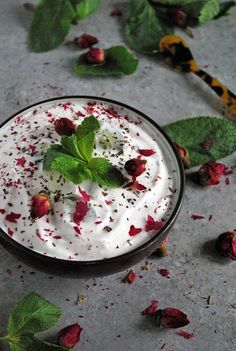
x=30, y=134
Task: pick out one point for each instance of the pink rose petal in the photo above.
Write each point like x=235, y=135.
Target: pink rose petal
x=84, y=195
x=134, y=231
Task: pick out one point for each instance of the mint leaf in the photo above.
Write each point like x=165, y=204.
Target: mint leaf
x=118, y=61
x=190, y=133
x=225, y=8
x=143, y=28
x=50, y=24
x=89, y=124
x=32, y=314
x=71, y=168
x=53, y=152
x=104, y=173
x=85, y=8
x=31, y=343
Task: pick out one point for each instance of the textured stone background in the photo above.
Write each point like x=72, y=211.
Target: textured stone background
x=111, y=313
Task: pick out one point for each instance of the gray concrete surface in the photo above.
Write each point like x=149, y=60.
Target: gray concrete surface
x=111, y=313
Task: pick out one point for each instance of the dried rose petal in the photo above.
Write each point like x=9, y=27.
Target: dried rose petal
x=95, y=56
x=12, y=217
x=85, y=196
x=207, y=144
x=184, y=155
x=135, y=167
x=171, y=317
x=177, y=16
x=195, y=217
x=64, y=126
x=81, y=210
x=40, y=205
x=226, y=244
x=116, y=12
x=164, y=272
x=138, y=185
x=134, y=231
x=185, y=334
x=210, y=173
x=85, y=41
x=20, y=161
x=151, y=224
x=130, y=278
x=69, y=336
x=2, y=211
x=151, y=310
x=146, y=152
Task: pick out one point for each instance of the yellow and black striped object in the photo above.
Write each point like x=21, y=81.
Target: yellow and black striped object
x=177, y=54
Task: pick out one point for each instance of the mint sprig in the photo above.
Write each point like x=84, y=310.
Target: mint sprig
x=31, y=315
x=73, y=158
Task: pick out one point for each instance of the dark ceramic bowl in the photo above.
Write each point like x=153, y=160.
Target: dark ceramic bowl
x=118, y=263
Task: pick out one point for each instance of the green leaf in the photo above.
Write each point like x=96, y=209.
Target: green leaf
x=201, y=10
x=71, y=168
x=32, y=314
x=53, y=152
x=85, y=8
x=118, y=61
x=190, y=133
x=31, y=343
x=50, y=24
x=143, y=28
x=89, y=124
x=225, y=8
x=104, y=173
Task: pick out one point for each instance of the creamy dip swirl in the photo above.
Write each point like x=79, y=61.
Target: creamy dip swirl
x=105, y=228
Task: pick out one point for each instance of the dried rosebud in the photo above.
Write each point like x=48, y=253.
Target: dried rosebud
x=69, y=336
x=85, y=41
x=95, y=56
x=40, y=205
x=177, y=17
x=171, y=317
x=135, y=167
x=152, y=309
x=210, y=173
x=162, y=250
x=64, y=126
x=226, y=244
x=184, y=155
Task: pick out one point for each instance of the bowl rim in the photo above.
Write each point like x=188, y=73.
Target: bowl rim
x=140, y=249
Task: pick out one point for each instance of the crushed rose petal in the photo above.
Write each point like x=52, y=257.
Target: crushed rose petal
x=20, y=161
x=210, y=173
x=130, y=278
x=86, y=197
x=195, y=217
x=135, y=167
x=10, y=232
x=151, y=310
x=185, y=334
x=138, y=185
x=146, y=152
x=134, y=231
x=12, y=217
x=81, y=209
x=207, y=144
x=151, y=224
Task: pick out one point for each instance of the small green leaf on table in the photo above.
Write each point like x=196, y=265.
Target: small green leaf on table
x=118, y=61
x=191, y=133
x=143, y=28
x=32, y=314
x=50, y=24
x=84, y=8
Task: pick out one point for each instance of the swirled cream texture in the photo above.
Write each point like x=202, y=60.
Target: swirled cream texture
x=105, y=230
